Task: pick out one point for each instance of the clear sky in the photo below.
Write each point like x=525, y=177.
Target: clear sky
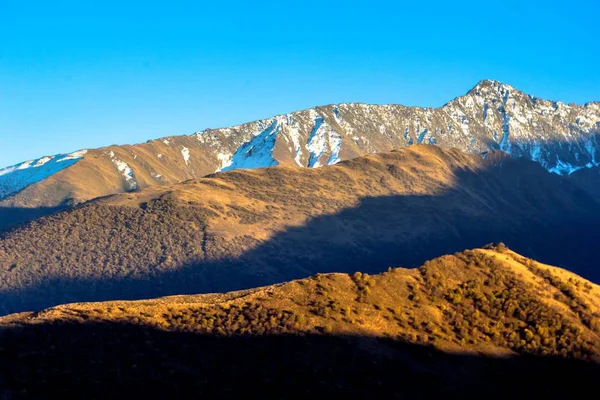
x=81, y=74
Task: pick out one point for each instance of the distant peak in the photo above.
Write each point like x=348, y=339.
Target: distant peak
x=488, y=84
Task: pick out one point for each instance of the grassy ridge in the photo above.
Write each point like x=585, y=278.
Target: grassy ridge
x=453, y=322
x=244, y=229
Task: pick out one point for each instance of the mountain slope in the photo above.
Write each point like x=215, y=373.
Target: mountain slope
x=562, y=138
x=484, y=322
x=246, y=228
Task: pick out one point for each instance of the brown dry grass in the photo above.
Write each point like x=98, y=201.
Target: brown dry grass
x=417, y=305
x=249, y=228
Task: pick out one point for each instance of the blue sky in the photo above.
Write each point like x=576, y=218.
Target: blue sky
x=81, y=74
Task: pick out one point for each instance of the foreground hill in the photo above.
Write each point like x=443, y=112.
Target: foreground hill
x=562, y=138
x=242, y=229
x=486, y=323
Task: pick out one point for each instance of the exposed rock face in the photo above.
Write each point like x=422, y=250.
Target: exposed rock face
x=562, y=138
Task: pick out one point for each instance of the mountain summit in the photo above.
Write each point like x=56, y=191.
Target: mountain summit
x=492, y=115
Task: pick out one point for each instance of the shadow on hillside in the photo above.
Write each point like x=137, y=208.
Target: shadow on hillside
x=121, y=360
x=535, y=213
x=13, y=217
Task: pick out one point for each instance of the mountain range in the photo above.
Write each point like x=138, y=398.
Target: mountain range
x=314, y=254
x=491, y=116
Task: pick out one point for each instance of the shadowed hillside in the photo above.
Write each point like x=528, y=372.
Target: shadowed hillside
x=13, y=217
x=485, y=322
x=249, y=228
x=122, y=361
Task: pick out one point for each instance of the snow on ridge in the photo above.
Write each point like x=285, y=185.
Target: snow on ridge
x=492, y=115
x=15, y=178
x=42, y=161
x=73, y=156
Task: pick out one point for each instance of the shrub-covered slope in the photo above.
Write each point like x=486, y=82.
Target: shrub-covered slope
x=485, y=322
x=242, y=229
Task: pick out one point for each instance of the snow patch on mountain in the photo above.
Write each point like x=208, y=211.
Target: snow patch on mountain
x=426, y=137
x=335, y=144
x=293, y=131
x=407, y=137
x=316, y=142
x=337, y=116
x=258, y=152
x=564, y=168
x=15, y=178
x=421, y=136
x=504, y=142
x=42, y=161
x=156, y=176
x=225, y=160
x=72, y=156
x=561, y=137
x=536, y=152
x=125, y=171
x=185, y=152
x=591, y=150
x=322, y=138
x=485, y=112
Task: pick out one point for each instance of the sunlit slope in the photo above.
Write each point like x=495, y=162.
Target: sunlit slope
x=479, y=322
x=241, y=229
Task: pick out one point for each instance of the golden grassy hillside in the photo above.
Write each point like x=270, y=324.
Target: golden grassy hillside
x=480, y=322
x=244, y=229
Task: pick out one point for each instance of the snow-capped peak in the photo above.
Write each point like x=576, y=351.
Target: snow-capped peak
x=492, y=115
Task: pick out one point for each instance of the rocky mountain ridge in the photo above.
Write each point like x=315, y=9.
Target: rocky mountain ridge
x=562, y=138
